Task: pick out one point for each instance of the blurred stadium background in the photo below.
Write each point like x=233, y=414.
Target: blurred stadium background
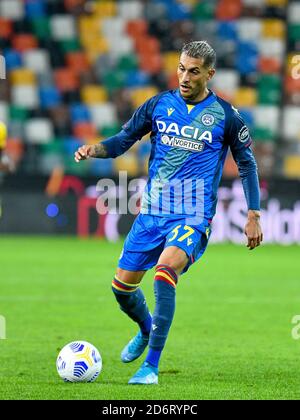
x=77, y=69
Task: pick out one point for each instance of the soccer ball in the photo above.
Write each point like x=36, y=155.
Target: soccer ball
x=79, y=361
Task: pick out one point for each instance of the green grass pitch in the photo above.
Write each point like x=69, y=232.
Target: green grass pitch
x=230, y=339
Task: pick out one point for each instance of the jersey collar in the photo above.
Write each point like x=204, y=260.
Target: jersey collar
x=211, y=93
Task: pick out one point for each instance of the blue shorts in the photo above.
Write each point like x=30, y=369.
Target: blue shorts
x=150, y=235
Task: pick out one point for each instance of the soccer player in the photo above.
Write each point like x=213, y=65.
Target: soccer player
x=191, y=131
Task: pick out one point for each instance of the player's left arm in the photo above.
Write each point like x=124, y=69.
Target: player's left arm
x=240, y=142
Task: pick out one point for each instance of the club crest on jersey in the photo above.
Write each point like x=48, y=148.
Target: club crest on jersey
x=208, y=119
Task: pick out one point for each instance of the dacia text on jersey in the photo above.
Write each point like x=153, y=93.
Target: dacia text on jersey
x=189, y=137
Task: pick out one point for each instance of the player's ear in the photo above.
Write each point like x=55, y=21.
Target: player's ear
x=210, y=73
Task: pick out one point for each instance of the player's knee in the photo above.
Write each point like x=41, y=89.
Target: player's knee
x=120, y=287
x=175, y=258
x=126, y=283
x=177, y=268
x=130, y=277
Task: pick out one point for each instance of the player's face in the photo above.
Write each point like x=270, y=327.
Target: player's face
x=193, y=77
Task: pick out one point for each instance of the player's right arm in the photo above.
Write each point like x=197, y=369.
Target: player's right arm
x=137, y=127
x=109, y=148
x=91, y=151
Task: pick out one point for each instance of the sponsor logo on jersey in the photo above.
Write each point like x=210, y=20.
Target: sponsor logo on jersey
x=186, y=132
x=244, y=134
x=170, y=111
x=208, y=119
x=194, y=146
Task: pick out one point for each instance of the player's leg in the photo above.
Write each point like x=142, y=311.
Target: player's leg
x=184, y=245
x=131, y=300
x=141, y=251
x=171, y=263
x=126, y=287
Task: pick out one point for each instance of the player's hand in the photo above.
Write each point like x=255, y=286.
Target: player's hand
x=83, y=153
x=253, y=230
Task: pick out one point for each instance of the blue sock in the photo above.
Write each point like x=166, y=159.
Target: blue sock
x=153, y=357
x=132, y=301
x=145, y=326
x=165, y=292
